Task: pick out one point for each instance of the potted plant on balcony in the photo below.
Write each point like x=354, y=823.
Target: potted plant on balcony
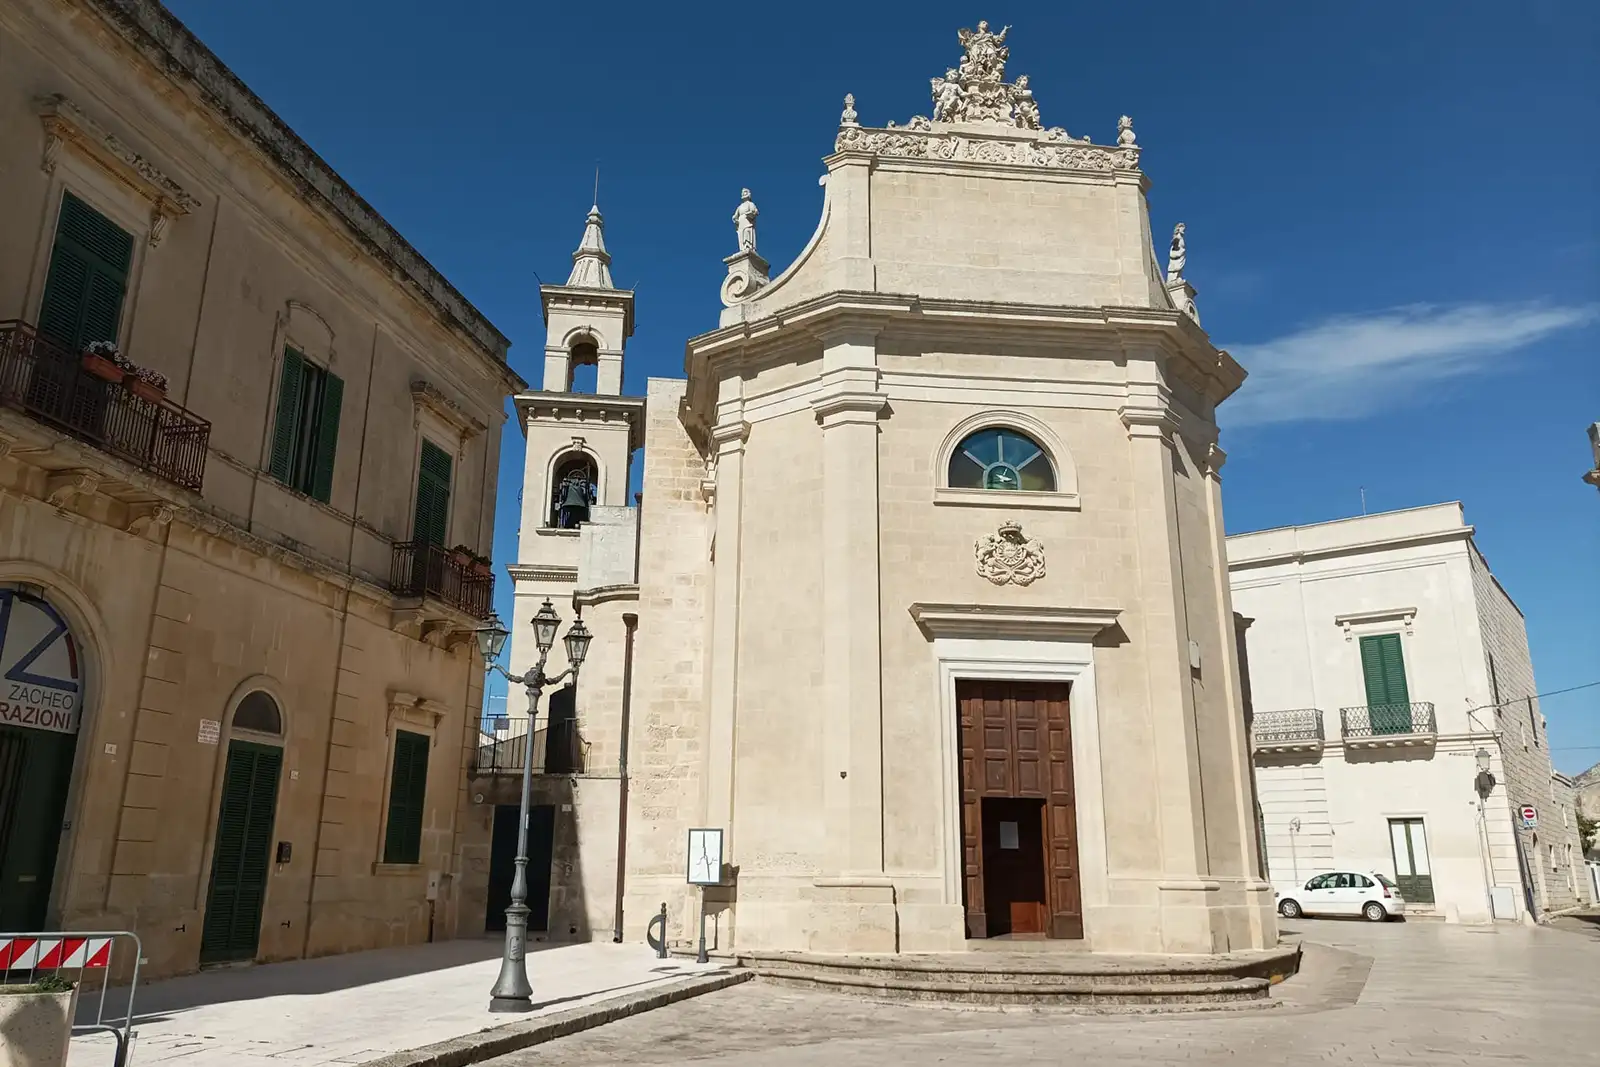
x=146, y=383
x=104, y=360
x=462, y=556
x=36, y=1021
x=482, y=566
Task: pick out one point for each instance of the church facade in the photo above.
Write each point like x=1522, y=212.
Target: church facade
x=926, y=604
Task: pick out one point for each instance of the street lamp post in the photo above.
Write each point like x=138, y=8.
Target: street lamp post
x=511, y=991
x=1484, y=785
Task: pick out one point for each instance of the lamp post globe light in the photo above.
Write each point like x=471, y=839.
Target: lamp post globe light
x=511, y=991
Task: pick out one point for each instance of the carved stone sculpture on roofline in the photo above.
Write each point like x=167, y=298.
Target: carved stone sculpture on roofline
x=747, y=271
x=974, y=95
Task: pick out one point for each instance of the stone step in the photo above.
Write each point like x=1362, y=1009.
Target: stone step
x=1080, y=993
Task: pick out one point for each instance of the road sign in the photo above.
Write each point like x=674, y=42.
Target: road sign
x=1530, y=816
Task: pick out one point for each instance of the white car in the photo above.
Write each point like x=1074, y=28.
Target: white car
x=1365, y=893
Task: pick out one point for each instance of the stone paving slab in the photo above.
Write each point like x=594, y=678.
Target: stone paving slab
x=353, y=1009
x=1420, y=994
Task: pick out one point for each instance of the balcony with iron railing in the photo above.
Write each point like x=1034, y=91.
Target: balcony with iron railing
x=1297, y=730
x=1388, y=725
x=503, y=745
x=427, y=571
x=129, y=419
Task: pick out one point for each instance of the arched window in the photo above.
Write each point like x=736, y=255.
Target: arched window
x=572, y=491
x=258, y=713
x=1001, y=458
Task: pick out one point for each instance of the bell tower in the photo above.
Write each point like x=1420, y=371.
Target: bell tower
x=579, y=444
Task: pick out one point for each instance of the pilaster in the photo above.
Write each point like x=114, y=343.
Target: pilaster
x=1165, y=636
x=728, y=438
x=847, y=409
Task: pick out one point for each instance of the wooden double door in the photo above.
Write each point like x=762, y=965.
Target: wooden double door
x=1019, y=824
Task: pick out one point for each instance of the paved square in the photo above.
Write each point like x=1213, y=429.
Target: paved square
x=1414, y=993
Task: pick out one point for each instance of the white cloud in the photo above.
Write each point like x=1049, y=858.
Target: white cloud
x=1352, y=366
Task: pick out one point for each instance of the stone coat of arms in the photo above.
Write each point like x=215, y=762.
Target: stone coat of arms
x=1009, y=557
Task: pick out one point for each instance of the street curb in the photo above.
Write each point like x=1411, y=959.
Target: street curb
x=499, y=1040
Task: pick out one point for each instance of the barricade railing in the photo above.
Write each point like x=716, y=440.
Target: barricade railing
x=92, y=960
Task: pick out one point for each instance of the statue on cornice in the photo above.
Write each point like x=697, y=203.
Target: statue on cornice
x=1024, y=109
x=976, y=91
x=947, y=97
x=744, y=221
x=1177, y=255
x=985, y=51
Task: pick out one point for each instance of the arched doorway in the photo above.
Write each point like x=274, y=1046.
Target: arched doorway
x=41, y=709
x=242, y=855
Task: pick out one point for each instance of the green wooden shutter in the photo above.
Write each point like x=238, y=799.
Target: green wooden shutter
x=286, y=430
x=239, y=862
x=408, y=787
x=88, y=277
x=1383, y=670
x=327, y=436
x=432, y=521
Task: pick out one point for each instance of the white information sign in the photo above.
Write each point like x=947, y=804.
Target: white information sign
x=210, y=732
x=41, y=672
x=705, y=857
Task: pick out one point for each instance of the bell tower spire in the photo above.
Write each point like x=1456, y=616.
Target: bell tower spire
x=591, y=263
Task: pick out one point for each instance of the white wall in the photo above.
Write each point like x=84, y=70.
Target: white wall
x=1313, y=593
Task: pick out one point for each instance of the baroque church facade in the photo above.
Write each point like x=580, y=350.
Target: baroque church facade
x=925, y=604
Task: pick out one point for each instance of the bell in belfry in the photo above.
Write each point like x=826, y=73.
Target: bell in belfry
x=572, y=501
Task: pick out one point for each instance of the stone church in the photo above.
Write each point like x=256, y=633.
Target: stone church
x=924, y=603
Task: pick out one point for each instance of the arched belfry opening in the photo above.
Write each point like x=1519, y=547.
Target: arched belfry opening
x=583, y=365
x=574, y=489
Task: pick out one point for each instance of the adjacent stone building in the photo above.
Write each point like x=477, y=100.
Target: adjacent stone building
x=928, y=586
x=242, y=425
x=1384, y=658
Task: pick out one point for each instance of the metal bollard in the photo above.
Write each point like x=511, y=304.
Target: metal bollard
x=658, y=942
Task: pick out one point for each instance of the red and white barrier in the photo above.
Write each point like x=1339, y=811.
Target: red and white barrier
x=74, y=953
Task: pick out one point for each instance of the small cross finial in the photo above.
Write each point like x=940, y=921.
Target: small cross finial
x=596, y=200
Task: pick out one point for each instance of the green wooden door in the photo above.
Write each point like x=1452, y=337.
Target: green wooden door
x=1384, y=671
x=35, y=771
x=1412, y=872
x=241, y=858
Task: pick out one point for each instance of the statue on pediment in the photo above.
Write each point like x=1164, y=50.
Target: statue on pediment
x=947, y=96
x=985, y=51
x=976, y=91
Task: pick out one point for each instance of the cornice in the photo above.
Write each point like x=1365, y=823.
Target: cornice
x=426, y=395
x=533, y=572
x=1008, y=620
x=179, y=55
x=66, y=124
x=584, y=406
x=1352, y=548
x=605, y=594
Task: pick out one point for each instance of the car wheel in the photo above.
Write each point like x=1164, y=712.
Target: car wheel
x=1289, y=909
x=1375, y=912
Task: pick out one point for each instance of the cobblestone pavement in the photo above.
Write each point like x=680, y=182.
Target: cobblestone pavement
x=1414, y=993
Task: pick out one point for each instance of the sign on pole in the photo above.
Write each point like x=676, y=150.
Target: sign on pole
x=705, y=857
x=1530, y=816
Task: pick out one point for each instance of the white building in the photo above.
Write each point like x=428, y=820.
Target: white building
x=1383, y=657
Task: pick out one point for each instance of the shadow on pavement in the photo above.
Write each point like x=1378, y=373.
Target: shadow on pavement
x=324, y=974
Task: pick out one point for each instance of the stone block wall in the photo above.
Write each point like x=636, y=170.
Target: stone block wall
x=1524, y=746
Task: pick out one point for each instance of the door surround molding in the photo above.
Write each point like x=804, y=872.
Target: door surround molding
x=1066, y=659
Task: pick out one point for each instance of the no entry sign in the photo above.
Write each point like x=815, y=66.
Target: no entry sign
x=1530, y=817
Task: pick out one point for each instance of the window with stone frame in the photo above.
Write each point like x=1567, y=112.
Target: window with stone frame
x=1001, y=458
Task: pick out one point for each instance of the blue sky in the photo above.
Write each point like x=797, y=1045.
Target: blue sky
x=1392, y=212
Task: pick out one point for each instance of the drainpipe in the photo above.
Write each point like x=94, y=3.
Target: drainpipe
x=631, y=621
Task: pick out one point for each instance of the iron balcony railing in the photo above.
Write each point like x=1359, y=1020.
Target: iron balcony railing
x=1286, y=727
x=1380, y=720
x=48, y=382
x=503, y=744
x=421, y=569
